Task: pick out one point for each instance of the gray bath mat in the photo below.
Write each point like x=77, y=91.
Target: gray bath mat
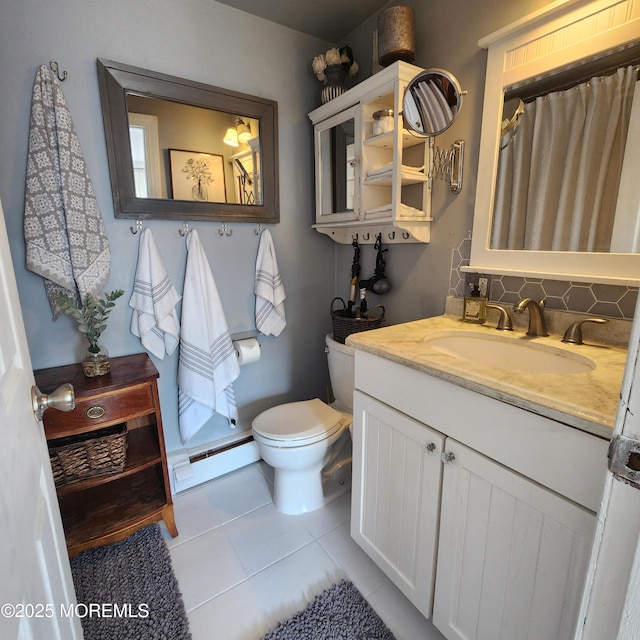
x=132, y=588
x=339, y=613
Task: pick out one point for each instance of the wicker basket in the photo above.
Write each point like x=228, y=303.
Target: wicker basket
x=89, y=454
x=343, y=325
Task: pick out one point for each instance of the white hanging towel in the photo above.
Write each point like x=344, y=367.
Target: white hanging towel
x=207, y=365
x=154, y=318
x=269, y=290
x=64, y=232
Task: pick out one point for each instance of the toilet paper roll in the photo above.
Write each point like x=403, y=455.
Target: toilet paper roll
x=247, y=351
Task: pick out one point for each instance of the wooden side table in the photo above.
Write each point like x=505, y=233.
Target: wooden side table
x=108, y=508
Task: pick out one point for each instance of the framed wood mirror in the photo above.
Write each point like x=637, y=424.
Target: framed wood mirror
x=183, y=150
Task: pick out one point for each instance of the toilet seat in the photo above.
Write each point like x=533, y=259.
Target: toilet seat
x=297, y=424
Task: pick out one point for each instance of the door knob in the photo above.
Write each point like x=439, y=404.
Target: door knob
x=63, y=398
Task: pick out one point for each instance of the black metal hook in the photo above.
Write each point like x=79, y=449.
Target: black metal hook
x=54, y=67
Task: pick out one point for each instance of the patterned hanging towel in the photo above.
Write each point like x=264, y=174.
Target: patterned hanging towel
x=269, y=290
x=64, y=233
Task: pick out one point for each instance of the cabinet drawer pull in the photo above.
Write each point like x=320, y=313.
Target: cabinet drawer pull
x=448, y=457
x=96, y=411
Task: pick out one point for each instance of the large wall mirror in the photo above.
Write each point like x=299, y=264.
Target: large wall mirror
x=179, y=149
x=558, y=195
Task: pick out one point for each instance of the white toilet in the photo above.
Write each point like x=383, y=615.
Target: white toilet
x=300, y=439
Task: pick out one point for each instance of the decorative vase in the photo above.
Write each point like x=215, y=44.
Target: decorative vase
x=95, y=362
x=336, y=75
x=396, y=35
x=199, y=191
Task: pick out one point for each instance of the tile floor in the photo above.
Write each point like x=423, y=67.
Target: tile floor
x=243, y=566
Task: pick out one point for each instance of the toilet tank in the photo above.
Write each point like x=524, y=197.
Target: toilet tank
x=341, y=371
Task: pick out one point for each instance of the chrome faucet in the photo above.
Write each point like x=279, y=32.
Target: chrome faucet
x=537, y=324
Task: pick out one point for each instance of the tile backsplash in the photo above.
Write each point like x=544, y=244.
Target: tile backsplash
x=610, y=301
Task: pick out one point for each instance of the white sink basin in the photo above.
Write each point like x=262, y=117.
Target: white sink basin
x=513, y=354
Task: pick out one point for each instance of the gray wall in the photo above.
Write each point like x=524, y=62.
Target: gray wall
x=211, y=43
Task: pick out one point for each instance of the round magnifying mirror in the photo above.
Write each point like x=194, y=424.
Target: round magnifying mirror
x=512, y=113
x=431, y=103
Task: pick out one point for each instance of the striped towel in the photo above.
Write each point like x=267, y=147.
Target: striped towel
x=208, y=364
x=269, y=290
x=154, y=318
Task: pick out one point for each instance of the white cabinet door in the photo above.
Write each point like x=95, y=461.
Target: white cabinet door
x=337, y=151
x=512, y=555
x=395, y=496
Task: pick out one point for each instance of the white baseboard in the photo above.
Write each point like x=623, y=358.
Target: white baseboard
x=184, y=474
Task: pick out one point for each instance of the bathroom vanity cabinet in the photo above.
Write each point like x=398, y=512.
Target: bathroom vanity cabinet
x=481, y=513
x=106, y=508
x=370, y=184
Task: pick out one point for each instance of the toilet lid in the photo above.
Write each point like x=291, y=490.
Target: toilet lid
x=308, y=421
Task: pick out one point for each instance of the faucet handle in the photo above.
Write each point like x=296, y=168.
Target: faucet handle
x=573, y=334
x=504, y=322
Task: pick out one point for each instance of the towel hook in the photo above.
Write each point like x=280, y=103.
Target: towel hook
x=137, y=228
x=258, y=229
x=365, y=236
x=405, y=235
x=224, y=230
x=54, y=67
x=392, y=235
x=184, y=230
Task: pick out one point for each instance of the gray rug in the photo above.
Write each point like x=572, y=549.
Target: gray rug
x=132, y=590
x=339, y=613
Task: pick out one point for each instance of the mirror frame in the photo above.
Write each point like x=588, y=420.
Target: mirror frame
x=118, y=80
x=539, y=45
x=408, y=93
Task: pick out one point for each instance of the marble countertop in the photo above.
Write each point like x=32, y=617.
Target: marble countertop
x=587, y=401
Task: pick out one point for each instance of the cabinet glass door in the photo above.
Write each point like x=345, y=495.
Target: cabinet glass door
x=337, y=167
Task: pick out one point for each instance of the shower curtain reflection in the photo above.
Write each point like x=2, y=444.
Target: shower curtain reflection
x=558, y=178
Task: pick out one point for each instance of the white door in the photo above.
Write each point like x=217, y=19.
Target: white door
x=35, y=577
x=395, y=496
x=512, y=555
x=611, y=601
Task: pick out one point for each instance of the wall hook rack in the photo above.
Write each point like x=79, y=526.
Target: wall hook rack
x=224, y=230
x=54, y=67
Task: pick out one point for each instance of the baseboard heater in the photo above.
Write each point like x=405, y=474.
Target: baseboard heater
x=212, y=452
x=189, y=469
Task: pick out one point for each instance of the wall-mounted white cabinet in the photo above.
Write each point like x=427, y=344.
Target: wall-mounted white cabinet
x=369, y=184
x=481, y=513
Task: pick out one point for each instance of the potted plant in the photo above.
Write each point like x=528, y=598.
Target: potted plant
x=92, y=321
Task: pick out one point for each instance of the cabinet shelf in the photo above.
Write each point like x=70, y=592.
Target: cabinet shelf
x=104, y=509
x=94, y=516
x=406, y=178
x=142, y=451
x=386, y=140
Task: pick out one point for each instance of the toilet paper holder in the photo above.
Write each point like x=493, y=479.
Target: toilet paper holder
x=246, y=347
